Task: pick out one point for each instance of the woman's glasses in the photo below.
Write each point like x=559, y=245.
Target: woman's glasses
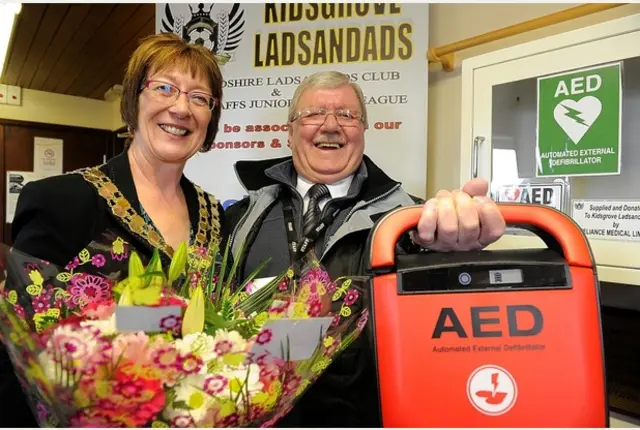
x=170, y=93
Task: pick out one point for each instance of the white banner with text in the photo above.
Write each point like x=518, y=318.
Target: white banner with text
x=266, y=50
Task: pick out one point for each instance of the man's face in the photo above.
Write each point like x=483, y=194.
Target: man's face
x=330, y=150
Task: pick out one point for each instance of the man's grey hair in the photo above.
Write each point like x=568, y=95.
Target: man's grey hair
x=328, y=79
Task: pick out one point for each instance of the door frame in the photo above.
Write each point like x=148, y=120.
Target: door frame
x=471, y=65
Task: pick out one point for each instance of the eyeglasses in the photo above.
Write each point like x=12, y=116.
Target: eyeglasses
x=318, y=116
x=170, y=93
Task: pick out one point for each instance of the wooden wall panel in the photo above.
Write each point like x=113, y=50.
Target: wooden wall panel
x=82, y=148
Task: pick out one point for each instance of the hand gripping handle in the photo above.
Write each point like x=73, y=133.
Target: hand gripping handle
x=555, y=228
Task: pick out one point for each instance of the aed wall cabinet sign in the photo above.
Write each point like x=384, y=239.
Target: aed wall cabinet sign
x=579, y=122
x=549, y=194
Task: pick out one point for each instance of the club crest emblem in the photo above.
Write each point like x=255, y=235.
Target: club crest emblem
x=221, y=34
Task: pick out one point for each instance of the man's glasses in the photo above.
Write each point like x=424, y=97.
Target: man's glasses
x=170, y=93
x=318, y=116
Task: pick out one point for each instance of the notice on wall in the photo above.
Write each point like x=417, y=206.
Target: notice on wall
x=608, y=219
x=579, y=122
x=549, y=194
x=47, y=156
x=16, y=180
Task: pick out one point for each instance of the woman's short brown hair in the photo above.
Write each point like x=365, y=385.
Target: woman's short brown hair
x=167, y=51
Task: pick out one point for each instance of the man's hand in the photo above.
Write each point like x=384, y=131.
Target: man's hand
x=461, y=220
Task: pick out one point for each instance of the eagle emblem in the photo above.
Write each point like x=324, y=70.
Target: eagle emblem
x=221, y=35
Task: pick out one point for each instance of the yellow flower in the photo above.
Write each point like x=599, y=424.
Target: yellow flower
x=118, y=246
x=36, y=277
x=329, y=341
x=300, y=311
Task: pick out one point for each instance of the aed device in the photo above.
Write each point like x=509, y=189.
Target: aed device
x=493, y=338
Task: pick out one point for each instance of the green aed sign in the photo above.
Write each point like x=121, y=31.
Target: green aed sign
x=579, y=122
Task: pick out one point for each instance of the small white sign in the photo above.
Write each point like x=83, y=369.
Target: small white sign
x=608, y=219
x=549, y=194
x=47, y=156
x=296, y=339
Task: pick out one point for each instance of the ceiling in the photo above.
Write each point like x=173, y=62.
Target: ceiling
x=76, y=49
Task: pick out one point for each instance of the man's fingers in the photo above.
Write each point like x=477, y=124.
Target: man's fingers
x=476, y=187
x=468, y=220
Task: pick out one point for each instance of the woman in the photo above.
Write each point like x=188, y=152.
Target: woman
x=171, y=104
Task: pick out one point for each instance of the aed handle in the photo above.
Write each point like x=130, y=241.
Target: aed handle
x=555, y=228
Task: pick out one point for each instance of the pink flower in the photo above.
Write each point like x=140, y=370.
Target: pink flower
x=182, y=421
x=291, y=384
x=314, y=309
x=351, y=297
x=223, y=347
x=166, y=357
x=98, y=260
x=189, y=364
x=73, y=264
x=100, y=310
x=170, y=322
x=264, y=336
x=215, y=384
x=362, y=321
x=40, y=304
x=86, y=288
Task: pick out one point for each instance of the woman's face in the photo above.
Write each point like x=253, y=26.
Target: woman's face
x=171, y=124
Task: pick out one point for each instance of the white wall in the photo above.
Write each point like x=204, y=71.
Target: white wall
x=50, y=108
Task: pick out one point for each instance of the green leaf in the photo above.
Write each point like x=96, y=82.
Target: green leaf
x=181, y=404
x=193, y=321
x=136, y=268
x=63, y=276
x=178, y=263
x=84, y=255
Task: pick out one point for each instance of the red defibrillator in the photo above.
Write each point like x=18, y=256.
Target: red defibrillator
x=501, y=338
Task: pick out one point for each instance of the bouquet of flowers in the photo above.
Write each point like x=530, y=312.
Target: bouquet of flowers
x=178, y=346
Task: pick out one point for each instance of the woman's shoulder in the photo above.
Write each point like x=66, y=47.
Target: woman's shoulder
x=61, y=193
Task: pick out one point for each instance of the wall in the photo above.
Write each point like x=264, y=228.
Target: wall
x=49, y=108
x=452, y=22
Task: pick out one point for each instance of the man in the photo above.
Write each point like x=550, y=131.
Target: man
x=327, y=121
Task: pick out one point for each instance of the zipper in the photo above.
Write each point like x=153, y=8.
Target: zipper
x=375, y=199
x=358, y=207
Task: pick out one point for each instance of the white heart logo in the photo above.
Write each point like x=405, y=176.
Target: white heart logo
x=576, y=117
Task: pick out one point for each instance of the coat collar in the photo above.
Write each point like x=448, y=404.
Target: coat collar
x=256, y=174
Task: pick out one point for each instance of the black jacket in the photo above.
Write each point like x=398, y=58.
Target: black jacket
x=58, y=216
x=346, y=395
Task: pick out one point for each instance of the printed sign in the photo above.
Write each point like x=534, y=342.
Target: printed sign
x=266, y=50
x=549, y=194
x=608, y=219
x=579, y=122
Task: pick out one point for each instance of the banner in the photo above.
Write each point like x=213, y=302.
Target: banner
x=579, y=122
x=266, y=50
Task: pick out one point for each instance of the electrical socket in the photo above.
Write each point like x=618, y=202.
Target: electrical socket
x=14, y=96
x=3, y=94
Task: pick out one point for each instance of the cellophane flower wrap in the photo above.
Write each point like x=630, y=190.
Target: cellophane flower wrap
x=179, y=346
